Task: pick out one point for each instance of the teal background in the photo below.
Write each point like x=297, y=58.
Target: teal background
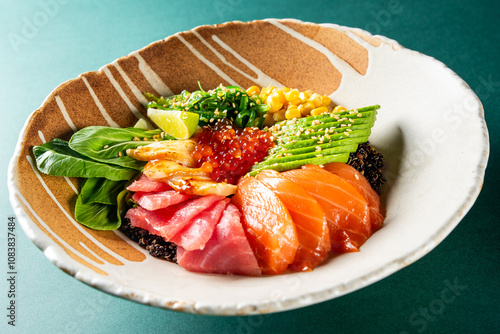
x=80, y=36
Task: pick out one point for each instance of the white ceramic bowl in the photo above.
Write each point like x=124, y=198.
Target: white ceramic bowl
x=430, y=128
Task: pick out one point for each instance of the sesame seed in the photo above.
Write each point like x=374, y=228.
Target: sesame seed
x=211, y=120
x=318, y=148
x=234, y=105
x=327, y=136
x=351, y=120
x=105, y=146
x=360, y=115
x=346, y=133
x=319, y=155
x=119, y=154
x=356, y=176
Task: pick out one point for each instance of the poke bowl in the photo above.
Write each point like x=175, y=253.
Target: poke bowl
x=430, y=129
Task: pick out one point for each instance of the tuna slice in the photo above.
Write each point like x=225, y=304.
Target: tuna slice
x=159, y=200
x=227, y=252
x=169, y=221
x=145, y=184
x=196, y=234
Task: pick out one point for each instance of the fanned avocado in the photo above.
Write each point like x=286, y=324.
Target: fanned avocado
x=318, y=139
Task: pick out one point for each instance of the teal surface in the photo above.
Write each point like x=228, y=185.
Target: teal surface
x=44, y=43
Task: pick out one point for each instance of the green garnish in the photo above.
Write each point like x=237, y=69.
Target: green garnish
x=222, y=102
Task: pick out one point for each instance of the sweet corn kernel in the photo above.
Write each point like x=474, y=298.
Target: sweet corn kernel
x=339, y=109
x=291, y=106
x=319, y=111
x=253, y=90
x=275, y=101
x=279, y=116
x=316, y=99
x=305, y=108
x=292, y=95
x=265, y=92
x=268, y=120
x=292, y=113
x=303, y=96
x=326, y=100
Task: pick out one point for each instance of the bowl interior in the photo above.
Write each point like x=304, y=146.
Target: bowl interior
x=430, y=129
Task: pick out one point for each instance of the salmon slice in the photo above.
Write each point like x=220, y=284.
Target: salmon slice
x=358, y=181
x=347, y=212
x=267, y=224
x=308, y=216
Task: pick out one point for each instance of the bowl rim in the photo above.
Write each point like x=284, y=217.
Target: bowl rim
x=52, y=250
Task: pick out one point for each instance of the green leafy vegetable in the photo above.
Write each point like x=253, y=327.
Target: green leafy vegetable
x=101, y=190
x=122, y=200
x=109, y=145
x=222, y=102
x=58, y=159
x=96, y=215
x=101, y=204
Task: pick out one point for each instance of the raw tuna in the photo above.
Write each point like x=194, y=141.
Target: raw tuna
x=196, y=234
x=169, y=221
x=227, y=252
x=159, y=200
x=144, y=184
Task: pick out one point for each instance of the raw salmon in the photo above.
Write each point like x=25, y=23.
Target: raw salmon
x=227, y=252
x=354, y=177
x=308, y=216
x=346, y=210
x=267, y=224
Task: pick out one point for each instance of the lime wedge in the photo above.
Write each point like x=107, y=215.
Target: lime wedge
x=177, y=123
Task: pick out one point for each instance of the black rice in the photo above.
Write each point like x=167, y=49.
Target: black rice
x=155, y=245
x=368, y=162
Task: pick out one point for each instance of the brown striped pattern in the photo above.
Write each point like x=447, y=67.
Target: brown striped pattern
x=242, y=53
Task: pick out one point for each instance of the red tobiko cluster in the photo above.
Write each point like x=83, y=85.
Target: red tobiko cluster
x=228, y=152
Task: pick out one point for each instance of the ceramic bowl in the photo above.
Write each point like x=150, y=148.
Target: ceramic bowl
x=430, y=128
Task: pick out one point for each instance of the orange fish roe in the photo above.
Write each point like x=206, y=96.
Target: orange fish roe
x=228, y=152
